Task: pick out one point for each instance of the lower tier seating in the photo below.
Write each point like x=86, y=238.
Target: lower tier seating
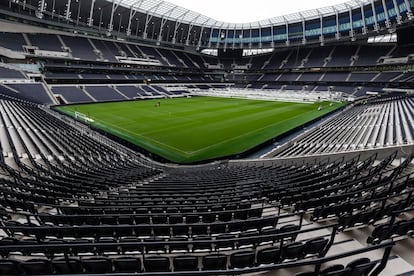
x=72, y=202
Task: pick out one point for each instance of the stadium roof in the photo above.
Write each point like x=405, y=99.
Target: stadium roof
x=168, y=10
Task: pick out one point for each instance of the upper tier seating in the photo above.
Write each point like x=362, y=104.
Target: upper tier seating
x=172, y=58
x=107, y=49
x=64, y=75
x=93, y=49
x=92, y=93
x=104, y=93
x=342, y=56
x=12, y=41
x=296, y=58
x=129, y=91
x=402, y=51
x=333, y=56
x=310, y=77
x=196, y=59
x=150, y=52
x=72, y=94
x=276, y=60
x=340, y=76
x=80, y=47
x=258, y=62
x=362, y=91
x=317, y=56
x=361, y=77
x=46, y=42
x=370, y=55
x=7, y=73
x=35, y=92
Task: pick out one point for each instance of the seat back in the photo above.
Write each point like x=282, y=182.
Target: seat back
x=215, y=262
x=242, y=259
x=268, y=255
x=157, y=264
x=127, y=265
x=37, y=267
x=362, y=269
x=315, y=246
x=332, y=268
x=293, y=251
x=67, y=266
x=9, y=267
x=97, y=265
x=185, y=263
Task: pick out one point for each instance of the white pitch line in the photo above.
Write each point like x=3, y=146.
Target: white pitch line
x=145, y=137
x=246, y=133
x=191, y=153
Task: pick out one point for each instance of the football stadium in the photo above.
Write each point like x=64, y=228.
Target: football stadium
x=141, y=137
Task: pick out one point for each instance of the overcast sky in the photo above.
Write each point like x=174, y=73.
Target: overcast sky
x=244, y=11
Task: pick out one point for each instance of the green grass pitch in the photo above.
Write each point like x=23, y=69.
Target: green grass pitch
x=186, y=130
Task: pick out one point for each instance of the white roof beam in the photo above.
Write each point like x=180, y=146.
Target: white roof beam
x=90, y=20
x=68, y=13
x=397, y=11
x=115, y=5
x=41, y=7
x=173, y=13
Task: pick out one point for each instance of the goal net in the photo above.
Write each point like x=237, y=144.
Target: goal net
x=82, y=117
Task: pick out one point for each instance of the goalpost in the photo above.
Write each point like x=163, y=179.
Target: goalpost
x=83, y=117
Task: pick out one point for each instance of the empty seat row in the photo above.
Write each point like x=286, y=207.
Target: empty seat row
x=240, y=259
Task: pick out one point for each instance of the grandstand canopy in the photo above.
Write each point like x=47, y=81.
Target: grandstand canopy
x=244, y=11
x=167, y=9
x=159, y=22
